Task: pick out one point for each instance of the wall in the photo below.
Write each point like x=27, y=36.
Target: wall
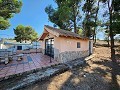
x=72, y=55
x=36, y=45
x=68, y=49
x=57, y=47
x=70, y=44
x=65, y=49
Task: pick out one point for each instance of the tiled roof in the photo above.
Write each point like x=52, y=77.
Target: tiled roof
x=64, y=32
x=60, y=33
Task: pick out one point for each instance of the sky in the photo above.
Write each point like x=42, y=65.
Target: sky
x=32, y=14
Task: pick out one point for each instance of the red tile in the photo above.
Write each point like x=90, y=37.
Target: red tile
x=39, y=60
x=5, y=68
x=10, y=73
x=20, y=66
x=27, y=69
x=3, y=71
x=13, y=66
x=18, y=71
x=2, y=75
x=25, y=66
x=38, y=66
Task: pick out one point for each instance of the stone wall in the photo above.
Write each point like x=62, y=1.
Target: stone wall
x=68, y=55
x=71, y=55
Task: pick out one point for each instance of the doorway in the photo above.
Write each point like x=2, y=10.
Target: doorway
x=49, y=47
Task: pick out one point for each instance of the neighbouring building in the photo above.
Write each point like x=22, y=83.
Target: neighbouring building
x=16, y=46
x=64, y=45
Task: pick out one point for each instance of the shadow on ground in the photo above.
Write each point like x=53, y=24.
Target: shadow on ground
x=99, y=74
x=114, y=71
x=80, y=79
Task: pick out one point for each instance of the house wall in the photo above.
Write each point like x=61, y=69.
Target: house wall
x=14, y=47
x=68, y=49
x=65, y=49
x=57, y=47
x=23, y=46
x=70, y=44
x=36, y=45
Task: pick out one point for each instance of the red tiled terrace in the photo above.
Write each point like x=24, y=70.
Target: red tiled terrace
x=29, y=62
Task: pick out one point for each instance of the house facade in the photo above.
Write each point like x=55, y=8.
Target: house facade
x=64, y=45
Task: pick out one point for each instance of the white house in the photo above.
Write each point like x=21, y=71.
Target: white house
x=14, y=46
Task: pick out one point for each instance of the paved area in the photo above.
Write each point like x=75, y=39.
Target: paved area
x=29, y=62
x=26, y=80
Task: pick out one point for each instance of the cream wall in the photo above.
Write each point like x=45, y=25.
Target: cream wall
x=70, y=44
x=68, y=49
x=67, y=44
x=63, y=44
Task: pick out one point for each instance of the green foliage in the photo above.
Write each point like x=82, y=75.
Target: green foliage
x=113, y=22
x=115, y=25
x=7, y=10
x=66, y=15
x=90, y=21
x=25, y=33
x=4, y=24
x=80, y=32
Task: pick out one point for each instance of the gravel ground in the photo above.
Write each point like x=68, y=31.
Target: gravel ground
x=97, y=74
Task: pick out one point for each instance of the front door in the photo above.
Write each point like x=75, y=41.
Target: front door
x=49, y=47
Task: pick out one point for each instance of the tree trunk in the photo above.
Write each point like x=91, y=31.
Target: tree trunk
x=95, y=38
x=74, y=18
x=94, y=32
x=112, y=37
x=112, y=46
x=25, y=41
x=75, y=28
x=108, y=41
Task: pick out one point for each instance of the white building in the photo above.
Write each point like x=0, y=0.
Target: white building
x=12, y=45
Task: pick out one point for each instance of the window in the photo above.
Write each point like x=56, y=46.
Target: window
x=78, y=44
x=19, y=47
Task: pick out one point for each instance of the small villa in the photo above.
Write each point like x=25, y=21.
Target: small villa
x=64, y=45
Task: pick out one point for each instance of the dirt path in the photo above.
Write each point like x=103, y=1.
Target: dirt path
x=98, y=74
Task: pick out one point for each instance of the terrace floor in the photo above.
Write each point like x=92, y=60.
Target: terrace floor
x=29, y=62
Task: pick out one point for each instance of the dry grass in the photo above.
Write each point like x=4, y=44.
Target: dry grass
x=98, y=74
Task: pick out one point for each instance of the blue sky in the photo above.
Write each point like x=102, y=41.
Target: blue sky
x=32, y=14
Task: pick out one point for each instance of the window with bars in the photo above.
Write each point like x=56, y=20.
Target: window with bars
x=78, y=44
